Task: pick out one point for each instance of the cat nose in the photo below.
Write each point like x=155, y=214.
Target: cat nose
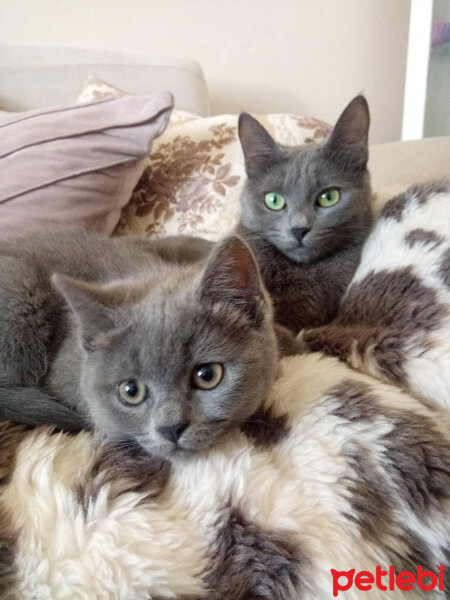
x=300, y=232
x=172, y=432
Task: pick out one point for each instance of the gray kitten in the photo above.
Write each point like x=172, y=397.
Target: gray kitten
x=306, y=214
x=126, y=339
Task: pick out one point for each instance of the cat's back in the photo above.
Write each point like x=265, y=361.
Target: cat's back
x=80, y=253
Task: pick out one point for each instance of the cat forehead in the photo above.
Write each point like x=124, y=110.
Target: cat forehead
x=307, y=159
x=296, y=171
x=306, y=167
x=172, y=324
x=165, y=342
x=163, y=311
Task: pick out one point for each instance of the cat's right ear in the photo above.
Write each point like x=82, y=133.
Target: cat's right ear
x=232, y=277
x=93, y=307
x=259, y=148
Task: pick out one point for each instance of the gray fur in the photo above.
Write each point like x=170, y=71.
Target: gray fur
x=32, y=406
x=410, y=466
x=306, y=279
x=123, y=466
x=423, y=236
x=444, y=270
x=79, y=313
x=249, y=563
x=370, y=318
x=416, y=457
x=264, y=429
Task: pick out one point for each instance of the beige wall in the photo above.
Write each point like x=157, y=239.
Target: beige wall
x=304, y=56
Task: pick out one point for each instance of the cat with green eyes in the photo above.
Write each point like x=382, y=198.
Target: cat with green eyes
x=306, y=213
x=146, y=343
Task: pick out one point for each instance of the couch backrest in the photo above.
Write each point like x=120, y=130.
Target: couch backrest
x=40, y=76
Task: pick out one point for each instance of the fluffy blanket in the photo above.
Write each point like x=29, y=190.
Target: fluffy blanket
x=394, y=321
x=340, y=487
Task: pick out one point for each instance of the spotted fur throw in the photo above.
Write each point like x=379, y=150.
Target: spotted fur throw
x=340, y=478
x=356, y=475
x=394, y=321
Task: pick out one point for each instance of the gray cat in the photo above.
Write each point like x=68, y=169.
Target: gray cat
x=306, y=214
x=122, y=336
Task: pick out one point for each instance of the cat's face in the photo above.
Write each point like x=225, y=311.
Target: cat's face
x=188, y=359
x=308, y=201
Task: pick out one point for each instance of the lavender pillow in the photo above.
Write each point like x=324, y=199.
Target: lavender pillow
x=78, y=164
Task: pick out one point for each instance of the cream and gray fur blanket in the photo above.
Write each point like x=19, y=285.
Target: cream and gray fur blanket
x=342, y=489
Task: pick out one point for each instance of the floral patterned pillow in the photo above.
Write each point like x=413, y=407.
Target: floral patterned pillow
x=193, y=178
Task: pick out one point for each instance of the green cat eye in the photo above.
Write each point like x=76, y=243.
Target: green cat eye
x=207, y=376
x=328, y=198
x=132, y=391
x=274, y=201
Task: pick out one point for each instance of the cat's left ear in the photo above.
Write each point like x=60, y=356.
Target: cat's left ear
x=260, y=150
x=232, y=277
x=351, y=132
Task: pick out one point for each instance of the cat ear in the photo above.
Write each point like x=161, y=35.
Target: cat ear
x=260, y=150
x=351, y=131
x=93, y=306
x=232, y=277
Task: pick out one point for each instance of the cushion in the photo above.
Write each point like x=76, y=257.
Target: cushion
x=192, y=181
x=77, y=164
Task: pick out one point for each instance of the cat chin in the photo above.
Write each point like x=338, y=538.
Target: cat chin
x=167, y=451
x=174, y=452
x=177, y=454
x=301, y=254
